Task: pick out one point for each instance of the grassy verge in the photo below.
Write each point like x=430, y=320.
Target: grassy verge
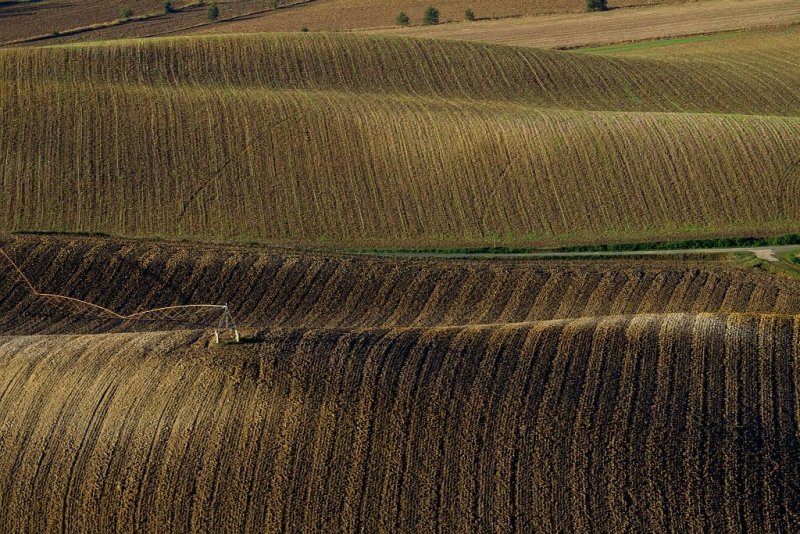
x=656, y=43
x=788, y=266
x=728, y=242
x=790, y=261
x=731, y=242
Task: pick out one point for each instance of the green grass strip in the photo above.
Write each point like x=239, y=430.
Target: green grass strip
x=728, y=242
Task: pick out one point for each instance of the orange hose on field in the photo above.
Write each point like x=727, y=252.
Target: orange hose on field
x=114, y=314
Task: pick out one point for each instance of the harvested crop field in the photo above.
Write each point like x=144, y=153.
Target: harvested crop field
x=320, y=140
x=586, y=29
x=333, y=15
x=511, y=395
x=47, y=22
x=306, y=281
x=726, y=47
x=25, y=18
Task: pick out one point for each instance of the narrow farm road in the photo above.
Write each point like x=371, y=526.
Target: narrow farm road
x=770, y=254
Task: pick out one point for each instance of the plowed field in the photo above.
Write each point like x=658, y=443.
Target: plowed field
x=230, y=174
x=386, y=394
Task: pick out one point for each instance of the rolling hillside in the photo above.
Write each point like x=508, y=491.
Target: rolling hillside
x=375, y=394
x=407, y=430
x=152, y=190
x=360, y=141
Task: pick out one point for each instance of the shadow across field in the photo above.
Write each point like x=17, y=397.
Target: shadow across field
x=6, y=3
x=12, y=8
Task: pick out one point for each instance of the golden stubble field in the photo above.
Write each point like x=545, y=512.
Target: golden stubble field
x=364, y=141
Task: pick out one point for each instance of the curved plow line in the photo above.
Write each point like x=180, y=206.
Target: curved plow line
x=226, y=321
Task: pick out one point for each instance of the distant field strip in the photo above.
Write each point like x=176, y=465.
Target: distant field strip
x=52, y=22
x=583, y=29
x=359, y=14
x=647, y=423
x=774, y=50
x=55, y=22
x=351, y=140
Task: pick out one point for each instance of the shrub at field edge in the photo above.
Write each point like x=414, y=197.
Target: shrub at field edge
x=213, y=12
x=431, y=16
x=597, y=5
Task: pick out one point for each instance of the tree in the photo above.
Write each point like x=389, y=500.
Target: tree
x=402, y=19
x=597, y=5
x=304, y=29
x=126, y=13
x=213, y=12
x=431, y=16
x=273, y=4
x=168, y=8
x=469, y=15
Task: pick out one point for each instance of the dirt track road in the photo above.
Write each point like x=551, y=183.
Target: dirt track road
x=770, y=254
